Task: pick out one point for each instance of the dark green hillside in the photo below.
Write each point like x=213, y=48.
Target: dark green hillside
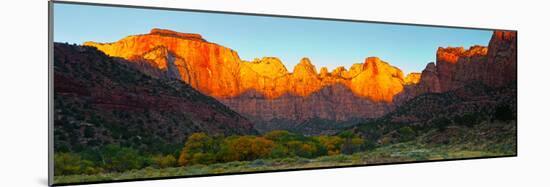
x=441, y=118
x=101, y=100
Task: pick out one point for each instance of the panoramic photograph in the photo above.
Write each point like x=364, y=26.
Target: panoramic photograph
x=148, y=93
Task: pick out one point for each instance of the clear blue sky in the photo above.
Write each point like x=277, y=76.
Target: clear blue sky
x=326, y=43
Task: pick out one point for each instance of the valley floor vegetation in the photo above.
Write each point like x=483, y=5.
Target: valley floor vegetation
x=276, y=150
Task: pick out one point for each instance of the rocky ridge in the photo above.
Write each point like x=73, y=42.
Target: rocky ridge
x=219, y=72
x=265, y=90
x=101, y=100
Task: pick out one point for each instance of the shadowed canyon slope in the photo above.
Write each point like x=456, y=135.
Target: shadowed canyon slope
x=264, y=89
x=101, y=100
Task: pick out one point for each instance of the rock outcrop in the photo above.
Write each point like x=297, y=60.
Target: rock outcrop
x=412, y=78
x=456, y=66
x=429, y=82
x=494, y=66
x=379, y=81
x=206, y=66
x=219, y=72
x=374, y=80
x=264, y=89
x=305, y=94
x=502, y=57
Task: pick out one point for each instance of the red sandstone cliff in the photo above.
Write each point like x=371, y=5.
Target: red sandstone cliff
x=265, y=89
x=494, y=65
x=218, y=71
x=206, y=66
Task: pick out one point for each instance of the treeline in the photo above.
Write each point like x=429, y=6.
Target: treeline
x=110, y=158
x=203, y=149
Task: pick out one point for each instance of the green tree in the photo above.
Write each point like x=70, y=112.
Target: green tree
x=332, y=144
x=198, y=149
x=406, y=133
x=504, y=113
x=278, y=135
x=308, y=150
x=441, y=123
x=67, y=164
x=116, y=158
x=89, y=168
x=351, y=142
x=279, y=151
x=164, y=161
x=469, y=119
x=246, y=148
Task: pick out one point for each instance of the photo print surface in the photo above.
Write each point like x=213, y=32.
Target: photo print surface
x=147, y=93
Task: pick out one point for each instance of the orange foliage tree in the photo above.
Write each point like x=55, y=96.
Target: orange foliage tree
x=333, y=144
x=199, y=149
x=246, y=148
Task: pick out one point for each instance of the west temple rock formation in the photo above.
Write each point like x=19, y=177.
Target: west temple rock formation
x=206, y=66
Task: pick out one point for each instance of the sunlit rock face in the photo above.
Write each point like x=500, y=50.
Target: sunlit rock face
x=265, y=89
x=378, y=81
x=270, y=67
x=304, y=79
x=305, y=94
x=206, y=66
x=412, y=78
x=267, y=76
x=219, y=72
x=324, y=72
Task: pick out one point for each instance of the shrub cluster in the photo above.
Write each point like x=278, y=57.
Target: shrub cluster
x=199, y=148
x=203, y=149
x=110, y=158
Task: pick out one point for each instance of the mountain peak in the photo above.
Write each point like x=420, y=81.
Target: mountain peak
x=378, y=81
x=305, y=66
x=505, y=35
x=430, y=67
x=268, y=66
x=267, y=60
x=199, y=62
x=338, y=71
x=171, y=33
x=449, y=54
x=375, y=66
x=457, y=66
x=412, y=78
x=324, y=72
x=476, y=50
x=305, y=62
x=372, y=59
x=452, y=54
